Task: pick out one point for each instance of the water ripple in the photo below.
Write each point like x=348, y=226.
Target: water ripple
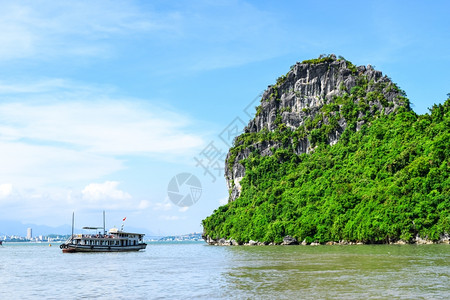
x=198, y=271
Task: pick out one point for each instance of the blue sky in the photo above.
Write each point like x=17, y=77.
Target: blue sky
x=103, y=102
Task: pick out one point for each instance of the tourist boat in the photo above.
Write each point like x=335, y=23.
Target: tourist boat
x=113, y=241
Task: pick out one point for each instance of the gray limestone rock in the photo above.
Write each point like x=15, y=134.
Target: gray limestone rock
x=288, y=240
x=300, y=95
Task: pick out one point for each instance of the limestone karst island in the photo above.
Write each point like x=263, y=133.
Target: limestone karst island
x=335, y=154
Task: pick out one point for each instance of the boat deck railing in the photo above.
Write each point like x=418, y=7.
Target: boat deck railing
x=95, y=236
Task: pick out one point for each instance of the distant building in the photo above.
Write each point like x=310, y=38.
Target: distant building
x=29, y=233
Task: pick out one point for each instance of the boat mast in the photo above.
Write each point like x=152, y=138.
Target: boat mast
x=73, y=216
x=104, y=229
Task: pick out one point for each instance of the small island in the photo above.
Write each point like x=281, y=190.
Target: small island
x=335, y=154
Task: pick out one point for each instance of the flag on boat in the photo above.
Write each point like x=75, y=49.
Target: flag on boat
x=124, y=219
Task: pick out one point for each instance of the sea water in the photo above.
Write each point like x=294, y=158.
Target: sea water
x=194, y=270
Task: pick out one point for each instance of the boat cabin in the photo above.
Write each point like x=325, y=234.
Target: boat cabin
x=115, y=237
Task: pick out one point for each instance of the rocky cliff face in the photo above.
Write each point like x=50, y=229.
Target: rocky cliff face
x=317, y=100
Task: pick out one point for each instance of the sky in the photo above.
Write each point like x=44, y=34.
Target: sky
x=104, y=103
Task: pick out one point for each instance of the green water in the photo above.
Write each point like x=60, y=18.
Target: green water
x=346, y=272
x=198, y=271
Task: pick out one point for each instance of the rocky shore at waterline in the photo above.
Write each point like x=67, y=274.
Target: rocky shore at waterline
x=288, y=241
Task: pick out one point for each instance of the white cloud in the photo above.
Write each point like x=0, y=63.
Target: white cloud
x=114, y=127
x=223, y=201
x=5, y=190
x=144, y=204
x=104, y=191
x=85, y=136
x=63, y=87
x=183, y=209
x=196, y=36
x=40, y=29
x=55, y=205
x=62, y=141
x=107, y=195
x=29, y=165
x=26, y=202
x=162, y=206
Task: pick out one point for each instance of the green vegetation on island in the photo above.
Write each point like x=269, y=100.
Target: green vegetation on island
x=387, y=181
